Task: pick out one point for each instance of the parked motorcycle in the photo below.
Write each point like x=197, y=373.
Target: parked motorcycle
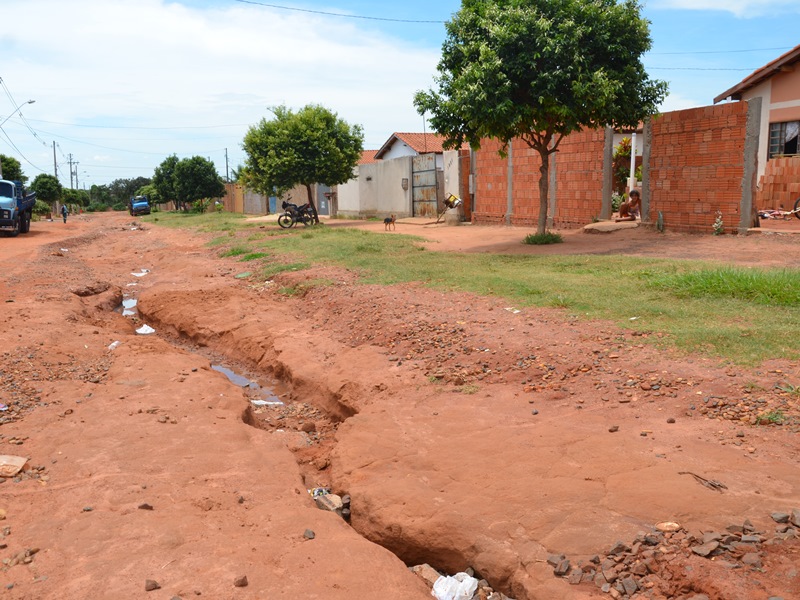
x=294, y=214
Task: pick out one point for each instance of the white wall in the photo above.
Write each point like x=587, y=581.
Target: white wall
x=378, y=190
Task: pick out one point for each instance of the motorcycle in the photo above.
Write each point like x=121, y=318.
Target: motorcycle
x=294, y=214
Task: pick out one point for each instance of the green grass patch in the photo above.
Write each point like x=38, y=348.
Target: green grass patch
x=254, y=256
x=741, y=315
x=777, y=287
x=235, y=251
x=539, y=239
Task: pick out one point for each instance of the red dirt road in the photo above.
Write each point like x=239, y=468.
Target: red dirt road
x=466, y=436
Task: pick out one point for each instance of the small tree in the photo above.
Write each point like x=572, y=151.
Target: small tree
x=11, y=169
x=47, y=188
x=196, y=179
x=539, y=70
x=308, y=147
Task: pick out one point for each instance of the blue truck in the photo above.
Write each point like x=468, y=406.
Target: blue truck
x=139, y=205
x=16, y=207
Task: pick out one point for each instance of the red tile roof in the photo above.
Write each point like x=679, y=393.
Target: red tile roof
x=776, y=66
x=367, y=157
x=421, y=143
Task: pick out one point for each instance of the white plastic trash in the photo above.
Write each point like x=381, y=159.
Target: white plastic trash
x=145, y=330
x=458, y=587
x=114, y=345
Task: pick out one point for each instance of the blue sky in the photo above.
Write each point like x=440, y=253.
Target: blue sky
x=119, y=85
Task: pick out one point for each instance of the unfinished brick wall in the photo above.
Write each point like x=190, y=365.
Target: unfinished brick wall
x=579, y=185
x=579, y=178
x=697, y=165
x=780, y=185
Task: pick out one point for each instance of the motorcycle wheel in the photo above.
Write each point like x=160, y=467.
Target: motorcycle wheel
x=285, y=221
x=307, y=219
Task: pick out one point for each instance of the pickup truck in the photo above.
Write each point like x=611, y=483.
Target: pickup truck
x=139, y=205
x=16, y=207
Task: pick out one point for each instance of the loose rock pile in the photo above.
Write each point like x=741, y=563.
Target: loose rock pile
x=643, y=568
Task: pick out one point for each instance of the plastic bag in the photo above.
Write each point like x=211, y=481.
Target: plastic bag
x=458, y=587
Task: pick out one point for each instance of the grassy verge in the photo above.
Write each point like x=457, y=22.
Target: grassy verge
x=742, y=315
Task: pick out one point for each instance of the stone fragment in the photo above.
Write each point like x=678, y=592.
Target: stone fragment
x=619, y=548
x=630, y=585
x=554, y=559
x=613, y=429
x=780, y=517
x=309, y=534
x=705, y=549
x=330, y=502
x=562, y=568
x=150, y=585
x=145, y=506
x=426, y=572
x=575, y=577
x=668, y=527
x=240, y=581
x=795, y=517
x=752, y=539
x=752, y=559
x=711, y=536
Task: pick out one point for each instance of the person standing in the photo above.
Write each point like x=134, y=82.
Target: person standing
x=64, y=212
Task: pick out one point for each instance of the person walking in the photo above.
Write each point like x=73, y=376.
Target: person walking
x=64, y=212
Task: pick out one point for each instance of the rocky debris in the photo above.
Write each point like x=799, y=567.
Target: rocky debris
x=777, y=409
x=431, y=576
x=151, y=585
x=645, y=568
x=24, y=557
x=92, y=289
x=240, y=581
x=309, y=534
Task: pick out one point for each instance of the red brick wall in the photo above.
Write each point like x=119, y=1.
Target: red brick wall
x=780, y=185
x=579, y=181
x=696, y=166
x=579, y=178
x=696, y=169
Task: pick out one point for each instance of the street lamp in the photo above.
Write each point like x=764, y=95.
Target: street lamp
x=15, y=110
x=6, y=119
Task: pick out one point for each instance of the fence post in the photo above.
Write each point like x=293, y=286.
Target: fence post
x=752, y=132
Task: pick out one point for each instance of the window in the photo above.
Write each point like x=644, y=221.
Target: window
x=783, y=138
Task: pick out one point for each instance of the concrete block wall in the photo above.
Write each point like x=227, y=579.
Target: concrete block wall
x=697, y=167
x=780, y=185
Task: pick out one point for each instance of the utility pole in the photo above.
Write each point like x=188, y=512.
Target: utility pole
x=227, y=176
x=55, y=164
x=70, y=171
x=77, y=185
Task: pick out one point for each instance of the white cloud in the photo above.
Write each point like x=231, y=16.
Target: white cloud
x=159, y=64
x=740, y=8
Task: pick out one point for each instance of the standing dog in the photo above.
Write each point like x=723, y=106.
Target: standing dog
x=388, y=223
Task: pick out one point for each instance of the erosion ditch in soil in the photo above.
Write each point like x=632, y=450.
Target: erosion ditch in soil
x=308, y=429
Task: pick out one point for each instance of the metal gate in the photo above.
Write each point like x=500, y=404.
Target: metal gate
x=425, y=197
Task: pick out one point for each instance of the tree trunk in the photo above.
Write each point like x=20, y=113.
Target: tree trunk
x=311, y=203
x=544, y=188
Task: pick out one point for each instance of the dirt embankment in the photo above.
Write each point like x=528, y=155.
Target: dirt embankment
x=466, y=434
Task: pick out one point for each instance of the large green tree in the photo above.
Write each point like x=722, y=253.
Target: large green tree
x=122, y=190
x=164, y=179
x=539, y=70
x=196, y=178
x=11, y=169
x=307, y=147
x=47, y=188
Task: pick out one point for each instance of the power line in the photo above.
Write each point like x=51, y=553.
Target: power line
x=137, y=127
x=722, y=51
x=342, y=15
x=698, y=69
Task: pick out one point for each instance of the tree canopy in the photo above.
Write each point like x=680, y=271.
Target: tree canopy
x=164, y=178
x=196, y=178
x=311, y=146
x=47, y=187
x=539, y=70
x=11, y=169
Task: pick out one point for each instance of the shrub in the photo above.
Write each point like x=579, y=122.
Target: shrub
x=539, y=239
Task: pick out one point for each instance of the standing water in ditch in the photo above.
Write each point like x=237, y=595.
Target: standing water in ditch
x=259, y=396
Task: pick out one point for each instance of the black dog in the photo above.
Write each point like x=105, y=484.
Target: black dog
x=388, y=223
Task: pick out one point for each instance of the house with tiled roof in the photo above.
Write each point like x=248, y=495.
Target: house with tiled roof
x=777, y=85
x=408, y=176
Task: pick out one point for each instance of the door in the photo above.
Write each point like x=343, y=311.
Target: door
x=425, y=197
